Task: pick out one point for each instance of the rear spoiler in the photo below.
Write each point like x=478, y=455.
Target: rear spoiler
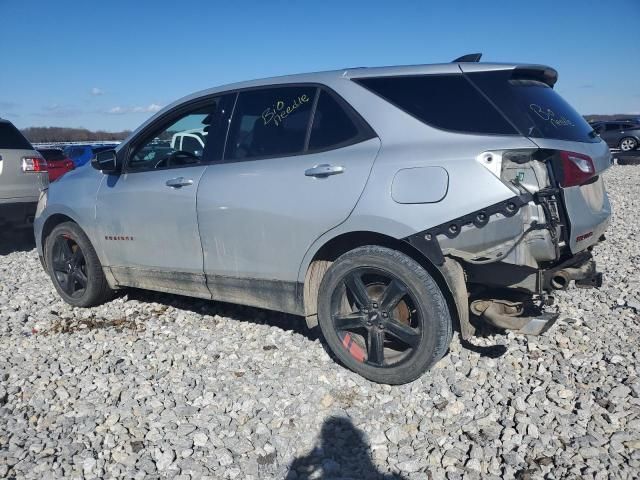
x=544, y=74
x=541, y=73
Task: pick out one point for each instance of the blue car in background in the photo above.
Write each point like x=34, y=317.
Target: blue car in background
x=81, y=154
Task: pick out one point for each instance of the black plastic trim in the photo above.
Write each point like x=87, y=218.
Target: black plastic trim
x=427, y=241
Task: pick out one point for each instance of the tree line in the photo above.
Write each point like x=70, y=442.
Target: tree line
x=63, y=134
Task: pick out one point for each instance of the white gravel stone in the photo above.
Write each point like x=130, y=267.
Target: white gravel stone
x=152, y=385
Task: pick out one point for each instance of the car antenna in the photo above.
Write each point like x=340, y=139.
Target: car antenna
x=471, y=57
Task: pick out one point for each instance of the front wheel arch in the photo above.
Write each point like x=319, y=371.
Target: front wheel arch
x=50, y=223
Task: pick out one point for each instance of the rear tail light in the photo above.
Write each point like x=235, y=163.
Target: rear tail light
x=34, y=164
x=69, y=165
x=577, y=169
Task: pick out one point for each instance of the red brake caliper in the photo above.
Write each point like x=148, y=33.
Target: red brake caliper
x=353, y=348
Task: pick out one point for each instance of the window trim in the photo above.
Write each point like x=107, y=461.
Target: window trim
x=365, y=131
x=517, y=132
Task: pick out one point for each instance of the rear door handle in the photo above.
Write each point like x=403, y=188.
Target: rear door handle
x=324, y=170
x=179, y=182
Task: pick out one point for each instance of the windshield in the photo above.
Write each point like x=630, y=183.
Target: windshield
x=536, y=109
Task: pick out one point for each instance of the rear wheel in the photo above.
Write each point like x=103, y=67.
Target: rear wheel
x=628, y=143
x=74, y=267
x=383, y=315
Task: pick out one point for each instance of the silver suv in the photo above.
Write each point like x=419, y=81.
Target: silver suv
x=23, y=174
x=384, y=204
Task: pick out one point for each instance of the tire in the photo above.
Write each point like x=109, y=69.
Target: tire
x=628, y=144
x=403, y=330
x=74, y=267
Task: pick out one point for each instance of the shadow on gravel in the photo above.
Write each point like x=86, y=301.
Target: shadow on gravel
x=16, y=240
x=242, y=313
x=342, y=452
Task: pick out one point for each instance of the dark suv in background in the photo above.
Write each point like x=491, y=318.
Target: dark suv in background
x=624, y=135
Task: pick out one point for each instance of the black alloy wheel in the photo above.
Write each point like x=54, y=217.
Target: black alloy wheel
x=74, y=267
x=377, y=321
x=383, y=315
x=69, y=266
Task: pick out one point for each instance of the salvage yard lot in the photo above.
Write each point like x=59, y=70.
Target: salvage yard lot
x=153, y=385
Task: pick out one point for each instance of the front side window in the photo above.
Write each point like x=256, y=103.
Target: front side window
x=193, y=138
x=270, y=122
x=612, y=127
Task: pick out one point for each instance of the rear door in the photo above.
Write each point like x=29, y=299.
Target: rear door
x=287, y=177
x=527, y=99
x=15, y=184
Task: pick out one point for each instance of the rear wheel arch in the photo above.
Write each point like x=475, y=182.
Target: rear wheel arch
x=346, y=242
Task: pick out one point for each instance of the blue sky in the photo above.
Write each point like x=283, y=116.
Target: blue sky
x=111, y=64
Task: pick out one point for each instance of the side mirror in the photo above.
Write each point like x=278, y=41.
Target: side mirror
x=106, y=161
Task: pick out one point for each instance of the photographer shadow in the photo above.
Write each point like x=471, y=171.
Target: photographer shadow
x=343, y=453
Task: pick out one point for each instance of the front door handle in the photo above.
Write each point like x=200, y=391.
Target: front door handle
x=179, y=182
x=324, y=170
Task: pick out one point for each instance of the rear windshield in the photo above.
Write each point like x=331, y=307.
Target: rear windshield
x=52, y=154
x=10, y=137
x=535, y=108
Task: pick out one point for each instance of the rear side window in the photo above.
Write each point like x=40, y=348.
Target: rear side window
x=534, y=107
x=449, y=102
x=10, y=137
x=270, y=122
x=332, y=125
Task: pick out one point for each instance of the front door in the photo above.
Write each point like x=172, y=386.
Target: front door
x=147, y=215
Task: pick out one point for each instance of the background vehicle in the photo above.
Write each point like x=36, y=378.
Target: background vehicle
x=624, y=135
x=190, y=140
x=23, y=174
x=57, y=162
x=381, y=203
x=82, y=154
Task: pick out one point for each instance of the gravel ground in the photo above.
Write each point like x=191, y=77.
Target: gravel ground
x=154, y=385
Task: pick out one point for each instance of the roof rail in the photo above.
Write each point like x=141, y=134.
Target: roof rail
x=471, y=57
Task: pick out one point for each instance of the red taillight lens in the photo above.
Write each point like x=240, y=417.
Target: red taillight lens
x=69, y=165
x=34, y=164
x=576, y=169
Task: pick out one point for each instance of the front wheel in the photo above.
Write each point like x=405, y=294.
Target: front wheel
x=74, y=267
x=383, y=315
x=627, y=144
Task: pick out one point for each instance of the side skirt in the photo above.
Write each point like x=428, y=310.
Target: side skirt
x=274, y=295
